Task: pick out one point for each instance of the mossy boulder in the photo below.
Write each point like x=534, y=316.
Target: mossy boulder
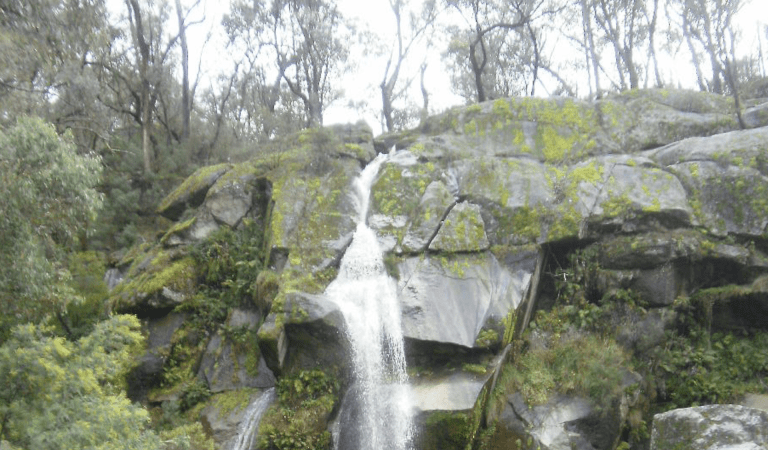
x=191, y=193
x=224, y=414
x=463, y=230
x=303, y=331
x=710, y=427
x=313, y=216
x=424, y=225
x=230, y=198
x=157, y=279
x=148, y=372
x=232, y=359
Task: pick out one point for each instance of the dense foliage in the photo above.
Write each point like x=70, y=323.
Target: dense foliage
x=61, y=394
x=297, y=422
x=49, y=199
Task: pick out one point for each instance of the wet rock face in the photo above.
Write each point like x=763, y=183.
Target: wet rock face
x=671, y=198
x=710, y=428
x=234, y=362
x=450, y=300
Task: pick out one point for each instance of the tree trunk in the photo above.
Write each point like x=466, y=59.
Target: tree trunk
x=652, y=44
x=424, y=95
x=694, y=55
x=586, y=17
x=185, y=101
x=386, y=106
x=143, y=60
x=477, y=72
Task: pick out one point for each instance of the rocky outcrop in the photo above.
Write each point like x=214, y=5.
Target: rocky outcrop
x=711, y=427
x=659, y=187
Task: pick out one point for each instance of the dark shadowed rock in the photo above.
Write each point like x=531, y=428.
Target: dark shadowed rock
x=228, y=365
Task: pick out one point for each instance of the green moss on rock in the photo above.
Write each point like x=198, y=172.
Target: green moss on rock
x=299, y=420
x=192, y=191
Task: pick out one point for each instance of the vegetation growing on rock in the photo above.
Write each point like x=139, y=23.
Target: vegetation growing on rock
x=299, y=420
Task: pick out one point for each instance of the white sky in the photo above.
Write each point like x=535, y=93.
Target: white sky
x=362, y=83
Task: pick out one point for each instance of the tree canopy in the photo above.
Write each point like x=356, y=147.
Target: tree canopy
x=58, y=394
x=50, y=197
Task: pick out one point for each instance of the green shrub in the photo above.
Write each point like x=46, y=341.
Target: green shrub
x=576, y=364
x=231, y=261
x=698, y=369
x=299, y=419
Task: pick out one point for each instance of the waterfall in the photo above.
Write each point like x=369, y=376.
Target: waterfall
x=249, y=426
x=367, y=297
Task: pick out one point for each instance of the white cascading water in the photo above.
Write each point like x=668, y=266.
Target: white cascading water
x=249, y=426
x=367, y=297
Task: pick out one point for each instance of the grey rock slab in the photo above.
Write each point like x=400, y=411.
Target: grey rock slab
x=740, y=148
x=450, y=300
x=658, y=124
x=547, y=424
x=756, y=116
x=424, y=224
x=731, y=199
x=462, y=231
x=713, y=427
x=229, y=203
x=509, y=182
x=634, y=183
x=455, y=392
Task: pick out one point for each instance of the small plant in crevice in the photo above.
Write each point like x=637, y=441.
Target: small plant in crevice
x=193, y=394
x=576, y=284
x=231, y=261
x=299, y=419
x=574, y=364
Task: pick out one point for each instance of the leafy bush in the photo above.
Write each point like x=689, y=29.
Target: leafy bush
x=299, y=420
x=231, y=261
x=697, y=369
x=49, y=198
x=575, y=364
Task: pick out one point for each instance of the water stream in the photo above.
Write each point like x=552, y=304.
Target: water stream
x=367, y=297
x=249, y=426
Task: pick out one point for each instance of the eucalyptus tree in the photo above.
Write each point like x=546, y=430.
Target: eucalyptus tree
x=47, y=49
x=709, y=32
x=143, y=64
x=187, y=92
x=498, y=51
x=309, y=42
x=253, y=101
x=622, y=24
x=418, y=26
x=49, y=200
x=298, y=46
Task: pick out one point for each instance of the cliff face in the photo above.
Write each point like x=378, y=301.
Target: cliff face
x=621, y=221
